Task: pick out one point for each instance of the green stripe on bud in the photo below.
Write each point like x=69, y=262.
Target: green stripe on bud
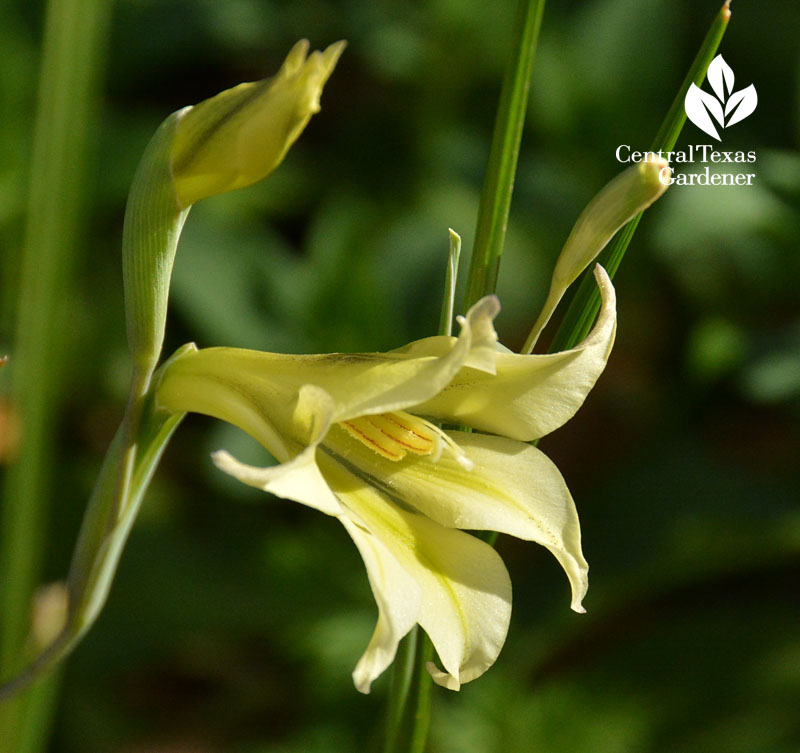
x=631, y=192
x=153, y=224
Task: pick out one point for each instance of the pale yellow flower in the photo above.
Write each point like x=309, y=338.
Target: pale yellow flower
x=357, y=437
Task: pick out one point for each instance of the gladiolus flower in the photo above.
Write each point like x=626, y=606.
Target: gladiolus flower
x=359, y=437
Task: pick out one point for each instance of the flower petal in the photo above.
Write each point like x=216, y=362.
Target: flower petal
x=199, y=381
x=484, y=339
x=252, y=389
x=299, y=479
x=392, y=383
x=513, y=488
x=398, y=597
x=466, y=591
x=531, y=395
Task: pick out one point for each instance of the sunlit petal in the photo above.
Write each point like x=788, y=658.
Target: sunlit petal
x=530, y=396
x=512, y=488
x=254, y=390
x=466, y=591
x=299, y=479
x=397, y=383
x=398, y=597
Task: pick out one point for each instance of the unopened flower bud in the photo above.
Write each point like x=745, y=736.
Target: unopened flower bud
x=228, y=141
x=241, y=135
x=631, y=192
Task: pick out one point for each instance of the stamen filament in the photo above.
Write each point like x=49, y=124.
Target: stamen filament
x=393, y=435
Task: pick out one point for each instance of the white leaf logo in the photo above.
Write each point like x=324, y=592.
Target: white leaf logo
x=720, y=76
x=741, y=104
x=700, y=106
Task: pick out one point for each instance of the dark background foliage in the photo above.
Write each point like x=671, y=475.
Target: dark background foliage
x=236, y=619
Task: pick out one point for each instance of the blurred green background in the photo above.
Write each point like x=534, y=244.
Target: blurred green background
x=235, y=619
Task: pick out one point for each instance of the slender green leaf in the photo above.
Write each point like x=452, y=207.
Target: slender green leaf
x=498, y=185
x=73, y=45
x=451, y=276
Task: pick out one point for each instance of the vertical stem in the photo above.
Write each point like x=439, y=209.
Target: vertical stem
x=421, y=695
x=498, y=185
x=410, y=696
x=15, y=85
x=73, y=42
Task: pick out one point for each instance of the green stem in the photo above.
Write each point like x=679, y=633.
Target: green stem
x=74, y=34
x=421, y=695
x=105, y=528
x=586, y=303
x=490, y=232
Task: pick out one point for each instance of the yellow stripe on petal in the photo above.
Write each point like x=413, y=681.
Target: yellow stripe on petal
x=411, y=432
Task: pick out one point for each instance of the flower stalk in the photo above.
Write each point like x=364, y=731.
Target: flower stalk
x=409, y=702
x=226, y=142
x=409, y=714
x=409, y=707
